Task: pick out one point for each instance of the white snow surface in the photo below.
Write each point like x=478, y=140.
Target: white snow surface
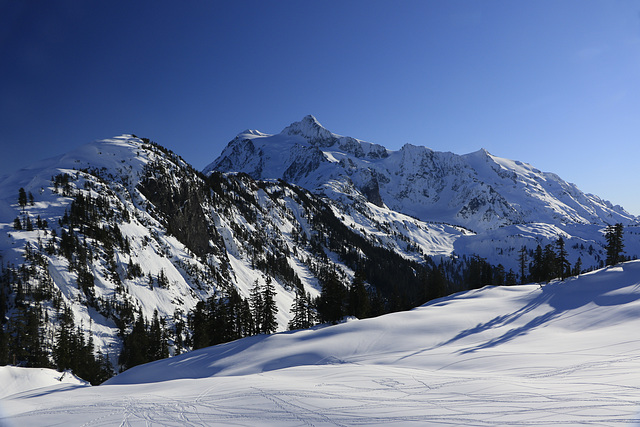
x=564, y=353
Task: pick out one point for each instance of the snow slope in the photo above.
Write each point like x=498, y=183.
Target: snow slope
x=17, y=380
x=563, y=353
x=478, y=190
x=137, y=205
x=492, y=197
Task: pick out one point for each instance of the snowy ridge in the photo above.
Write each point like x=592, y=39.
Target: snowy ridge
x=562, y=353
x=122, y=228
x=477, y=191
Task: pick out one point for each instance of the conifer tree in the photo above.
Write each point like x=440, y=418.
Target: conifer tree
x=615, y=244
x=359, y=305
x=269, y=308
x=549, y=263
x=577, y=267
x=535, y=268
x=256, y=306
x=563, y=267
x=522, y=263
x=22, y=198
x=301, y=310
x=331, y=300
x=199, y=326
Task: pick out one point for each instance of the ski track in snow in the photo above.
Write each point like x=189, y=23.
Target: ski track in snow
x=344, y=395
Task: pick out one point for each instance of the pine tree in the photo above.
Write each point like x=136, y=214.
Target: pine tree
x=301, y=311
x=22, y=198
x=563, y=267
x=615, y=245
x=256, y=306
x=200, y=326
x=269, y=308
x=359, y=305
x=135, y=344
x=158, y=348
x=535, y=268
x=577, y=268
x=522, y=263
x=331, y=300
x=549, y=263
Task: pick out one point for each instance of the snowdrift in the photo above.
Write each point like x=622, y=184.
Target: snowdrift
x=17, y=380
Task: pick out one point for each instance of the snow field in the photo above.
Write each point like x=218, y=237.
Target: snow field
x=557, y=354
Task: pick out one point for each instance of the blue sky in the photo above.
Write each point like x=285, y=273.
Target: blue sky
x=552, y=83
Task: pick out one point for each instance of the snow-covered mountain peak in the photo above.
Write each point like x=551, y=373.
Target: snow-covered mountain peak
x=252, y=132
x=312, y=130
x=479, y=190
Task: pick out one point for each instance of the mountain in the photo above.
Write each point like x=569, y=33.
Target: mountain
x=120, y=252
x=563, y=353
x=121, y=245
x=495, y=199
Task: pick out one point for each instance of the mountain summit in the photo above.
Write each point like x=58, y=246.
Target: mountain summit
x=311, y=129
x=479, y=191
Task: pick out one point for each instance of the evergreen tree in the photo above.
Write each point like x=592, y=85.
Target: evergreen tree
x=535, y=268
x=563, y=267
x=331, y=300
x=256, y=305
x=22, y=198
x=65, y=343
x=269, y=308
x=522, y=263
x=549, y=263
x=200, y=326
x=158, y=347
x=135, y=344
x=615, y=245
x=577, y=268
x=359, y=305
x=436, y=283
x=300, y=311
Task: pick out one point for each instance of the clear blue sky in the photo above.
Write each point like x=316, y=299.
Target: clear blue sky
x=552, y=83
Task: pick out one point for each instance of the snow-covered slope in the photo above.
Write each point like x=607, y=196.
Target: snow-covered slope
x=123, y=228
x=478, y=191
x=562, y=353
x=17, y=380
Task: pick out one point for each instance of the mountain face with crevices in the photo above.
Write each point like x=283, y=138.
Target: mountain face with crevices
x=502, y=205
x=478, y=191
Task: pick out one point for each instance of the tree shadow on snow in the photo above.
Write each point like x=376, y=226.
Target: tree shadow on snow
x=561, y=298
